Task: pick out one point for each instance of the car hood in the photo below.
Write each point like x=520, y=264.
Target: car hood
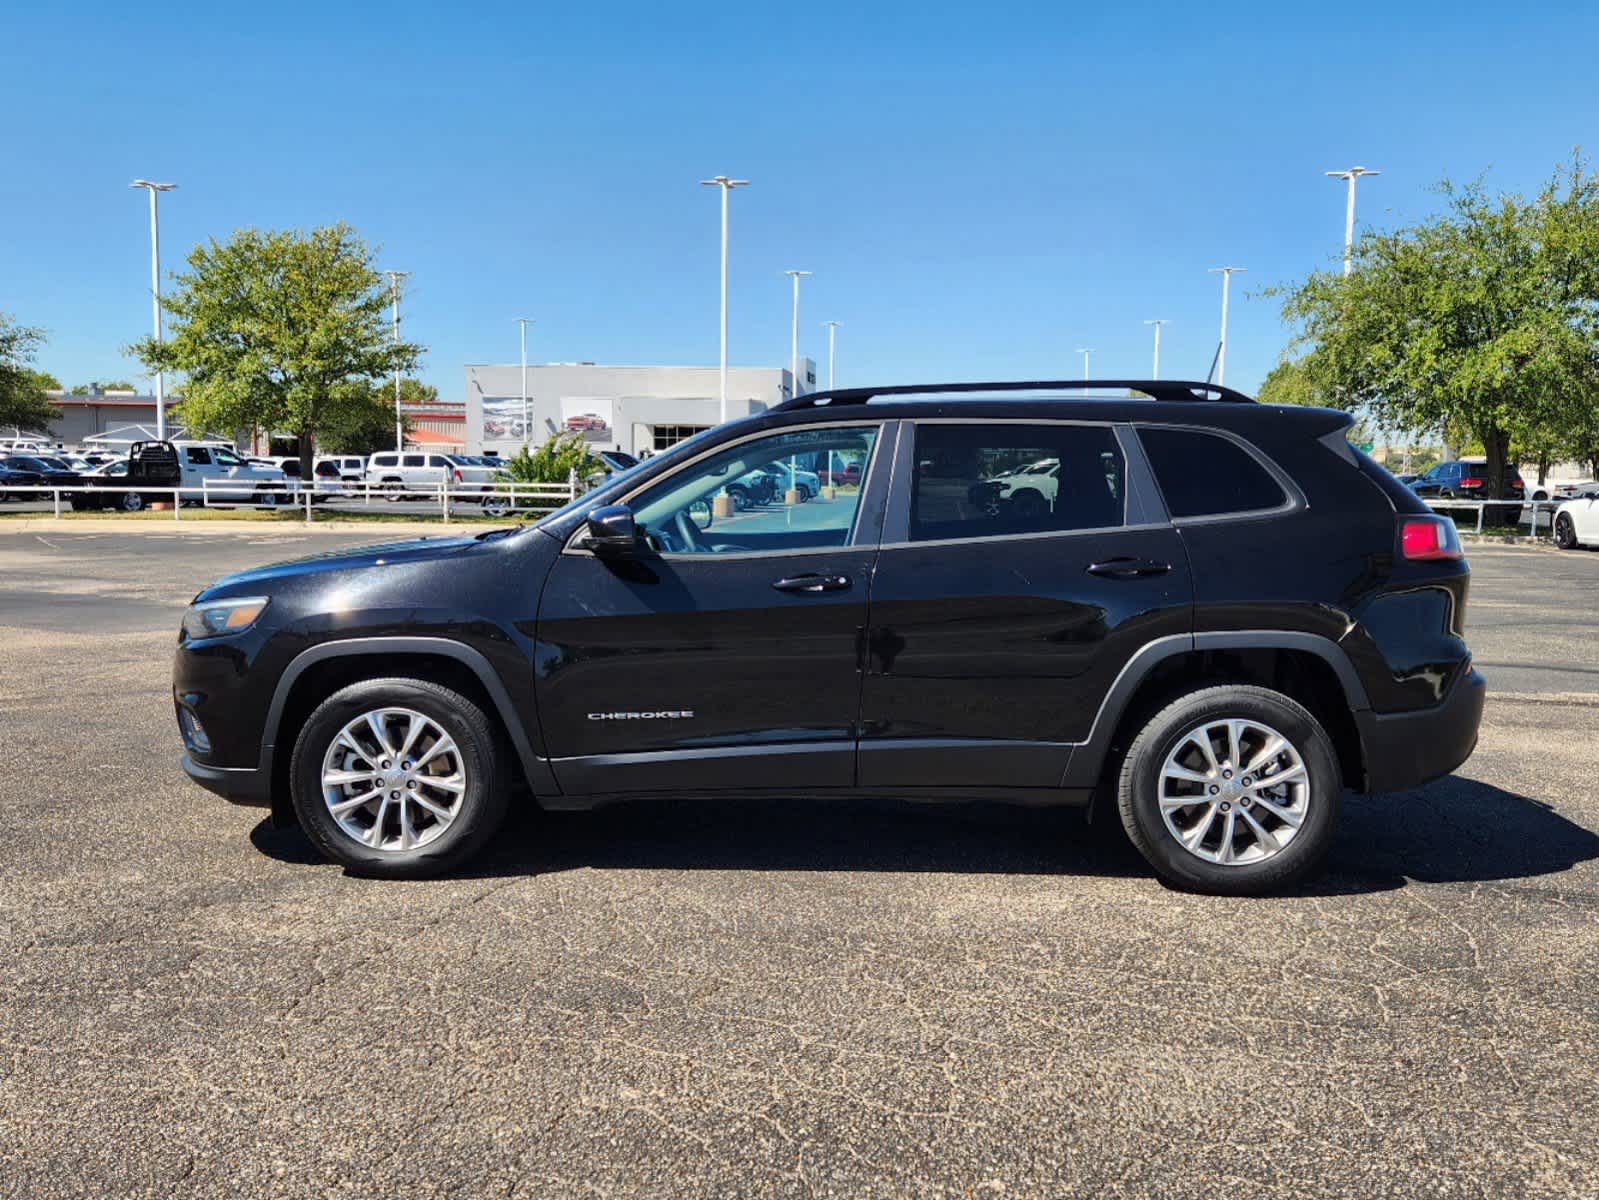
x=359, y=558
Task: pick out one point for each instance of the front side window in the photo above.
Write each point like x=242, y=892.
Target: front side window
x=761, y=495
x=1206, y=475
x=993, y=480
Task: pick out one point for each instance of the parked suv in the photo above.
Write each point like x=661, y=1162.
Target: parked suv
x=1221, y=618
x=1467, y=479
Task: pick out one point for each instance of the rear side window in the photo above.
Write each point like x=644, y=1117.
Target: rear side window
x=992, y=480
x=413, y=460
x=1205, y=475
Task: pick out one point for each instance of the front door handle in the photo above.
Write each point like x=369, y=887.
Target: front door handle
x=812, y=583
x=1128, y=568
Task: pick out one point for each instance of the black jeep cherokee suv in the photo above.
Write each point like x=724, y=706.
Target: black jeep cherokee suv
x=1207, y=614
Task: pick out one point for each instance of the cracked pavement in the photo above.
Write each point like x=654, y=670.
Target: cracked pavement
x=760, y=998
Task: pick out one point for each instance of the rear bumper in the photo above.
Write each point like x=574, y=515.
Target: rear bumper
x=1405, y=750
x=238, y=785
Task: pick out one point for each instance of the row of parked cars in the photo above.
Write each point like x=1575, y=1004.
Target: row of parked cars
x=217, y=471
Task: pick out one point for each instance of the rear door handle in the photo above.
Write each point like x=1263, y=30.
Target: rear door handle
x=1128, y=568
x=812, y=583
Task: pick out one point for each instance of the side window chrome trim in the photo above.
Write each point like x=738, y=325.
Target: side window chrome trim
x=990, y=538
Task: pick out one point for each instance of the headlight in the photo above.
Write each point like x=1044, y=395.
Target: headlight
x=215, y=618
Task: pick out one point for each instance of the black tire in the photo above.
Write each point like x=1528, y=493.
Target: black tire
x=1565, y=532
x=131, y=502
x=1138, y=792
x=394, y=489
x=1512, y=516
x=740, y=496
x=1028, y=504
x=482, y=805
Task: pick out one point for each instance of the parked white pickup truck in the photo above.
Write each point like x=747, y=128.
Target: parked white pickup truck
x=215, y=471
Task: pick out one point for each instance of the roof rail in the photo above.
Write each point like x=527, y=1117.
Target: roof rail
x=1180, y=390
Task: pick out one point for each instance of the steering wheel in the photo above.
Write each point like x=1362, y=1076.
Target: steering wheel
x=684, y=528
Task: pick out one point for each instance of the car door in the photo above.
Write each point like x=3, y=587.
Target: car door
x=1000, y=615
x=726, y=653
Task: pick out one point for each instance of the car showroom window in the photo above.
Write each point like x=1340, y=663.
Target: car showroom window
x=789, y=491
x=997, y=479
x=1206, y=475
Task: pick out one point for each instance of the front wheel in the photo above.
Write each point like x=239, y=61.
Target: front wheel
x=1231, y=790
x=399, y=778
x=1565, y=532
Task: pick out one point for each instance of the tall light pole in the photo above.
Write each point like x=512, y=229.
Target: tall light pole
x=1226, y=274
x=1085, y=352
x=155, y=299
x=1155, y=374
x=399, y=424
x=727, y=185
x=527, y=428
x=793, y=345
x=832, y=334
x=1351, y=175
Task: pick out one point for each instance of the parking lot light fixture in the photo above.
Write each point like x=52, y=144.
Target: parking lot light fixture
x=527, y=426
x=155, y=298
x=793, y=345
x=1155, y=370
x=399, y=424
x=1226, y=274
x=727, y=185
x=832, y=346
x=1085, y=351
x=1351, y=175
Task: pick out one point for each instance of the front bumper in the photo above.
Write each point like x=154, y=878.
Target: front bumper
x=239, y=785
x=1404, y=750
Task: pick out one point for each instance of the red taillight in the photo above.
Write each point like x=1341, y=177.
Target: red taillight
x=1468, y=482
x=456, y=475
x=1425, y=538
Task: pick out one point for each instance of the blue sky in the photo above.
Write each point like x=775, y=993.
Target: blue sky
x=979, y=189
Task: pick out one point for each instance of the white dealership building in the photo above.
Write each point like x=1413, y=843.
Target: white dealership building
x=636, y=409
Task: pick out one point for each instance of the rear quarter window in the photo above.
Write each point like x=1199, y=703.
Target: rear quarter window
x=1206, y=475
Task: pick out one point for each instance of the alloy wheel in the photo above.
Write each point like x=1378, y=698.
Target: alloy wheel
x=393, y=779
x=1234, y=791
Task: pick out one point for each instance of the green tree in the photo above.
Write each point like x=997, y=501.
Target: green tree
x=554, y=461
x=1482, y=321
x=45, y=381
x=22, y=401
x=363, y=428
x=115, y=385
x=285, y=330
x=1290, y=382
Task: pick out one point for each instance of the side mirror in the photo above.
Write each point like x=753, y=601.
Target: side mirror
x=612, y=530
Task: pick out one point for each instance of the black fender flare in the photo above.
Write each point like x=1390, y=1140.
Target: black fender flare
x=1087, y=760
x=536, y=770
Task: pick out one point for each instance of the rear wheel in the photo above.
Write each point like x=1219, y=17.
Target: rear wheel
x=131, y=502
x=400, y=778
x=1231, y=790
x=1565, y=532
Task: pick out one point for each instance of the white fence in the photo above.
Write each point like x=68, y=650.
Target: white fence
x=443, y=499
x=505, y=498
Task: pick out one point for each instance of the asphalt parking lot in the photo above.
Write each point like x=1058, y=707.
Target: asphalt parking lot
x=776, y=998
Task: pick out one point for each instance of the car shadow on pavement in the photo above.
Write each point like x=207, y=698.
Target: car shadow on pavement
x=1455, y=830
